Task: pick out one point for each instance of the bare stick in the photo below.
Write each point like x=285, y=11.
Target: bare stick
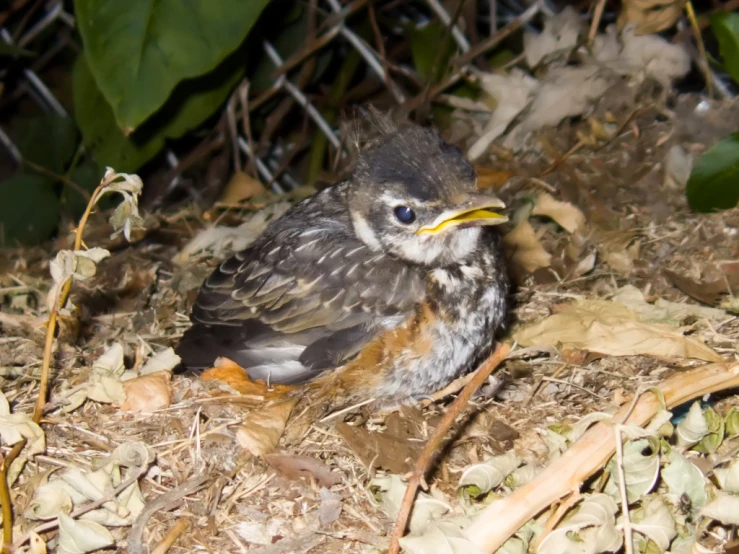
x=172, y=536
x=499, y=521
x=432, y=446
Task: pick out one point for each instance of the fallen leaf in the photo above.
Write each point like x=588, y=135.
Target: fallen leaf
x=651, y=16
x=166, y=360
x=230, y=372
x=13, y=428
x=263, y=427
x=611, y=328
x=489, y=178
x=525, y=251
x=241, y=187
x=663, y=311
x=391, y=489
x=299, y=467
x=80, y=536
x=148, y=393
x=330, y=508
x=708, y=292
x=395, y=449
x=565, y=214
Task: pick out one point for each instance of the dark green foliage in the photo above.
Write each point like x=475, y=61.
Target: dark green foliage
x=714, y=181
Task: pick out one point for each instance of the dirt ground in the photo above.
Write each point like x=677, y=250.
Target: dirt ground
x=638, y=231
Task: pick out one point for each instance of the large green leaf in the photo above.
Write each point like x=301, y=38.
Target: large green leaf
x=432, y=48
x=190, y=104
x=48, y=140
x=726, y=28
x=714, y=181
x=100, y=133
x=29, y=209
x=139, y=50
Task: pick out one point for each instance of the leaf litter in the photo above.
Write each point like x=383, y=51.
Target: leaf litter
x=610, y=262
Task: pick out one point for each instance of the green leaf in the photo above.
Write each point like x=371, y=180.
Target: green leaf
x=714, y=181
x=29, y=209
x=426, y=42
x=726, y=28
x=49, y=141
x=100, y=133
x=139, y=50
x=191, y=103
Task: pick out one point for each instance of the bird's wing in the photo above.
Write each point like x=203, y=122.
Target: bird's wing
x=302, y=302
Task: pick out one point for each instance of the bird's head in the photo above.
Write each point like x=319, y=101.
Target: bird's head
x=415, y=196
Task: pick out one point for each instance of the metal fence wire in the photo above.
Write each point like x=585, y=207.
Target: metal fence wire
x=52, y=36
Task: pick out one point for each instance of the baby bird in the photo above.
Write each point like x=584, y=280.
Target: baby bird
x=390, y=284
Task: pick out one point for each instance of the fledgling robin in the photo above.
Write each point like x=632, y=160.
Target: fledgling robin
x=389, y=283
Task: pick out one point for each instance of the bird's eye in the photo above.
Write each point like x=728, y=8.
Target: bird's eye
x=405, y=214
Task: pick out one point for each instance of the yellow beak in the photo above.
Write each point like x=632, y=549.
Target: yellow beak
x=474, y=212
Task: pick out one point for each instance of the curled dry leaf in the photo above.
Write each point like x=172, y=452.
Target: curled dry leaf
x=444, y=537
x=490, y=474
x=241, y=187
x=166, y=360
x=148, y=393
x=683, y=477
x=651, y=16
x=301, y=467
x=591, y=529
x=565, y=214
x=693, y=427
x=390, y=490
x=728, y=477
x=78, y=265
x=263, y=427
x=641, y=469
x=655, y=522
x=13, y=428
x=104, y=383
x=612, y=329
x=80, y=537
x=525, y=252
x=724, y=508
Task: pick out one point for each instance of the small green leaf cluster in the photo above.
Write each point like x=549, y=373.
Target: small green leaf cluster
x=714, y=181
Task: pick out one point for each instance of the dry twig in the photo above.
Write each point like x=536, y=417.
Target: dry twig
x=503, y=518
x=432, y=446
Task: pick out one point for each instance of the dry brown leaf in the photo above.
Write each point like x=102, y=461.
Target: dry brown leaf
x=241, y=187
x=263, y=427
x=488, y=178
x=651, y=16
x=230, y=372
x=149, y=392
x=612, y=329
x=301, y=467
x=525, y=251
x=565, y=214
x=708, y=292
x=394, y=449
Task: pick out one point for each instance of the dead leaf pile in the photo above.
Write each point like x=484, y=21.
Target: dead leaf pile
x=524, y=104
x=611, y=329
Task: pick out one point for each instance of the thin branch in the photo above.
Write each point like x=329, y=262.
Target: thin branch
x=432, y=446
